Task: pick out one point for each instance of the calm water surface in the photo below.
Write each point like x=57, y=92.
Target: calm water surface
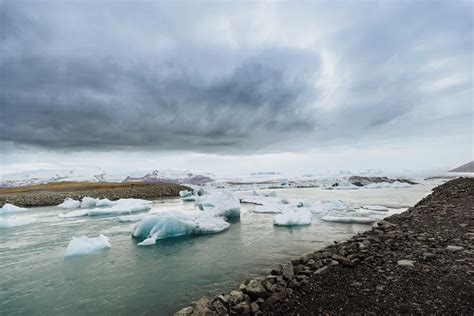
x=35, y=278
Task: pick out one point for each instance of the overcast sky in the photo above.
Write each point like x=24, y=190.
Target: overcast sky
x=236, y=87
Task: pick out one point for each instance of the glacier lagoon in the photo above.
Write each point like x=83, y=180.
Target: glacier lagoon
x=36, y=278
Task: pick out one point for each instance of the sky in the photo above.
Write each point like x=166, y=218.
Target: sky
x=236, y=87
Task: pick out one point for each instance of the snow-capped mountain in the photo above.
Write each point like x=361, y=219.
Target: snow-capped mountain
x=98, y=175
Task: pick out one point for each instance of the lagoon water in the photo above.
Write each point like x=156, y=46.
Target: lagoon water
x=35, y=278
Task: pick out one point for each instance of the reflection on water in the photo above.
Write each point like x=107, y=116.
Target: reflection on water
x=35, y=278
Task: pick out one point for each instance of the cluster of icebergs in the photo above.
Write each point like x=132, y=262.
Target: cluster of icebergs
x=293, y=213
x=213, y=213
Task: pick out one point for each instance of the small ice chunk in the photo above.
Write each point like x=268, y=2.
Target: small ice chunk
x=148, y=241
x=348, y=219
x=10, y=208
x=210, y=225
x=293, y=218
x=405, y=262
x=88, y=202
x=285, y=201
x=70, y=203
x=185, y=193
x=84, y=245
x=8, y=222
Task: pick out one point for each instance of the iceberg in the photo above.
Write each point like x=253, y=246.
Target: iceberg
x=10, y=208
x=326, y=206
x=70, y=203
x=293, y=218
x=162, y=226
x=84, y=245
x=387, y=185
x=220, y=204
x=88, y=202
x=9, y=222
x=173, y=224
x=104, y=203
x=348, y=219
x=185, y=193
x=119, y=207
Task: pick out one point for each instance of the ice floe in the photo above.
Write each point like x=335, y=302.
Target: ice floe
x=131, y=218
x=84, y=245
x=10, y=208
x=12, y=221
x=111, y=208
x=220, y=204
x=70, y=203
x=293, y=218
x=348, y=219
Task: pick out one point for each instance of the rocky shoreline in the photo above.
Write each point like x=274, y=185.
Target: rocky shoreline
x=418, y=262
x=42, y=197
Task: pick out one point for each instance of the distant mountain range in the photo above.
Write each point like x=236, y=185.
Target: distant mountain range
x=468, y=167
x=98, y=175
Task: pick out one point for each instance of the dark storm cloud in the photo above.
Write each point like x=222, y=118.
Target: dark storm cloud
x=174, y=76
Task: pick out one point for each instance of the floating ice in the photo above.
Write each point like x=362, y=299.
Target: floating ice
x=173, y=224
x=348, y=219
x=326, y=206
x=70, y=203
x=220, y=204
x=88, y=202
x=293, y=218
x=185, y=193
x=190, y=198
x=379, y=208
x=8, y=222
x=84, y=245
x=104, y=203
x=10, y=208
x=387, y=185
x=131, y=218
x=119, y=207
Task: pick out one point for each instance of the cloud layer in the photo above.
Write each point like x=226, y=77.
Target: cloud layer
x=229, y=78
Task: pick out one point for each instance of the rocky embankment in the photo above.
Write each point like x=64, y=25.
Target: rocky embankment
x=48, y=197
x=417, y=262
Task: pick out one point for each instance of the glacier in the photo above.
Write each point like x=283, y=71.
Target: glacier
x=84, y=245
x=293, y=218
x=10, y=208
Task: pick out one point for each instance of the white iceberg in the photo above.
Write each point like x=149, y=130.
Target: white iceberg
x=162, y=226
x=387, y=185
x=104, y=203
x=185, y=193
x=173, y=224
x=220, y=204
x=293, y=218
x=84, y=245
x=326, y=206
x=88, y=202
x=8, y=222
x=119, y=207
x=348, y=219
x=70, y=203
x=10, y=208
